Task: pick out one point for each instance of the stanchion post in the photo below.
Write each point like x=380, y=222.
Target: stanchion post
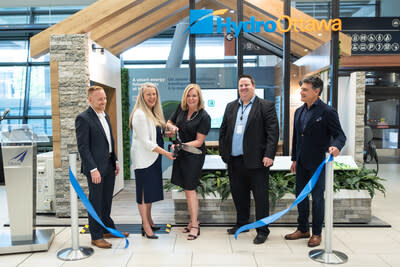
x=75, y=252
x=328, y=255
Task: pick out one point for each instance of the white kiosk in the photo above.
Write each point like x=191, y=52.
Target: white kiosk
x=18, y=144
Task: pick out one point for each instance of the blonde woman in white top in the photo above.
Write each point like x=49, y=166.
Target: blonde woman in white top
x=147, y=123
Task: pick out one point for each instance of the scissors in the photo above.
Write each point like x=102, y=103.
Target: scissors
x=181, y=146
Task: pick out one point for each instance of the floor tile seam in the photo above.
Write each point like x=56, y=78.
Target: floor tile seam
x=130, y=258
x=343, y=243
x=382, y=259
x=25, y=259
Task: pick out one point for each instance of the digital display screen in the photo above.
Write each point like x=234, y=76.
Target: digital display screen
x=215, y=101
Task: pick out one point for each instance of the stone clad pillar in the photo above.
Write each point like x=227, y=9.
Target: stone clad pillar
x=69, y=67
x=360, y=111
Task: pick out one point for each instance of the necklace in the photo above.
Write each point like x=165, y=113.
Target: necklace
x=195, y=115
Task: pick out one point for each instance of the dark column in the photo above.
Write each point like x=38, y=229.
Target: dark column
x=334, y=73
x=192, y=49
x=239, y=44
x=286, y=82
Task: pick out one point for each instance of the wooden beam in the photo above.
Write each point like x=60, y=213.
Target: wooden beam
x=345, y=44
x=150, y=22
x=148, y=33
x=80, y=22
x=370, y=61
x=55, y=114
x=121, y=20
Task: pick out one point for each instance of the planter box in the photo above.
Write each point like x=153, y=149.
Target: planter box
x=349, y=206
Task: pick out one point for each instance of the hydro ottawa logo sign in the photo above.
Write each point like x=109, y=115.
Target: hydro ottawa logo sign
x=202, y=22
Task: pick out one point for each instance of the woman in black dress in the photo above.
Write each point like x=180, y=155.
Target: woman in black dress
x=193, y=124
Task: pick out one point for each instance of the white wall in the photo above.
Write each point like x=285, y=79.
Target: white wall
x=106, y=69
x=347, y=112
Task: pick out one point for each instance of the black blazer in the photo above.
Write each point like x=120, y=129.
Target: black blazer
x=92, y=142
x=322, y=131
x=261, y=133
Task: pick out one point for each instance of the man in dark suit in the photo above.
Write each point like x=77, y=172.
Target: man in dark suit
x=316, y=131
x=247, y=141
x=99, y=162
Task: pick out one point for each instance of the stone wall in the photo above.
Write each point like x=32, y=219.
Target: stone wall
x=71, y=54
x=360, y=111
x=349, y=206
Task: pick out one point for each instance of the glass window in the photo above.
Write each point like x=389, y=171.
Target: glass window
x=39, y=92
x=44, y=58
x=152, y=49
x=50, y=19
x=12, y=89
x=207, y=48
x=13, y=51
x=15, y=19
x=41, y=127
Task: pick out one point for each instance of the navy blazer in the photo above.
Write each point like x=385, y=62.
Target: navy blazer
x=261, y=133
x=322, y=131
x=92, y=142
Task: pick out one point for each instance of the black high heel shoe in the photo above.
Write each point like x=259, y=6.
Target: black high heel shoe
x=154, y=228
x=193, y=237
x=148, y=236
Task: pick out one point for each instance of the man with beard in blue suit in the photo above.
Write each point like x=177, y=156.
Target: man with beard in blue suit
x=316, y=131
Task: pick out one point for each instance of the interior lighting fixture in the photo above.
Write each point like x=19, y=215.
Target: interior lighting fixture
x=94, y=48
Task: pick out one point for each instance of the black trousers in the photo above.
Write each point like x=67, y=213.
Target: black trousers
x=242, y=181
x=303, y=175
x=100, y=196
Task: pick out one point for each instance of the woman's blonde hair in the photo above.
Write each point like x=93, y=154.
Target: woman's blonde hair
x=155, y=113
x=191, y=86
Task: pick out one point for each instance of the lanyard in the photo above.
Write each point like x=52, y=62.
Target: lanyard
x=243, y=110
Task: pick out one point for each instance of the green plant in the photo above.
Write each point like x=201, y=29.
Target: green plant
x=280, y=183
x=125, y=122
x=361, y=179
x=211, y=182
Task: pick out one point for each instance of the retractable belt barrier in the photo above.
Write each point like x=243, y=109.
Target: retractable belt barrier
x=86, y=203
x=304, y=193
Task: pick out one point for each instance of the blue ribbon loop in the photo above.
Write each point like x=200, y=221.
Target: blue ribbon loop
x=90, y=209
x=304, y=193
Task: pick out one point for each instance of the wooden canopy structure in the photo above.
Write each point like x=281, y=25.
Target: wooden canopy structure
x=118, y=25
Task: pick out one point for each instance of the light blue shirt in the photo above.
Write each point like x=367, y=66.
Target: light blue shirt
x=240, y=126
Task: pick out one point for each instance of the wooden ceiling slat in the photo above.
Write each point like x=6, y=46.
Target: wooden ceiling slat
x=144, y=35
x=157, y=28
x=136, y=27
x=123, y=19
x=80, y=22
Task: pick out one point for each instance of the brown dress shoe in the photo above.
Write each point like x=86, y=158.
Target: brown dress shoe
x=109, y=235
x=314, y=241
x=101, y=243
x=297, y=235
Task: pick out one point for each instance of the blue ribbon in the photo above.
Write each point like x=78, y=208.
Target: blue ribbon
x=304, y=193
x=90, y=209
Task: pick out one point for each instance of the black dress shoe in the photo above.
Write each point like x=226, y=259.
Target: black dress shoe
x=232, y=231
x=260, y=238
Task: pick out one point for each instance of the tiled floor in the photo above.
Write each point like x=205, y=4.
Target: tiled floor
x=364, y=246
